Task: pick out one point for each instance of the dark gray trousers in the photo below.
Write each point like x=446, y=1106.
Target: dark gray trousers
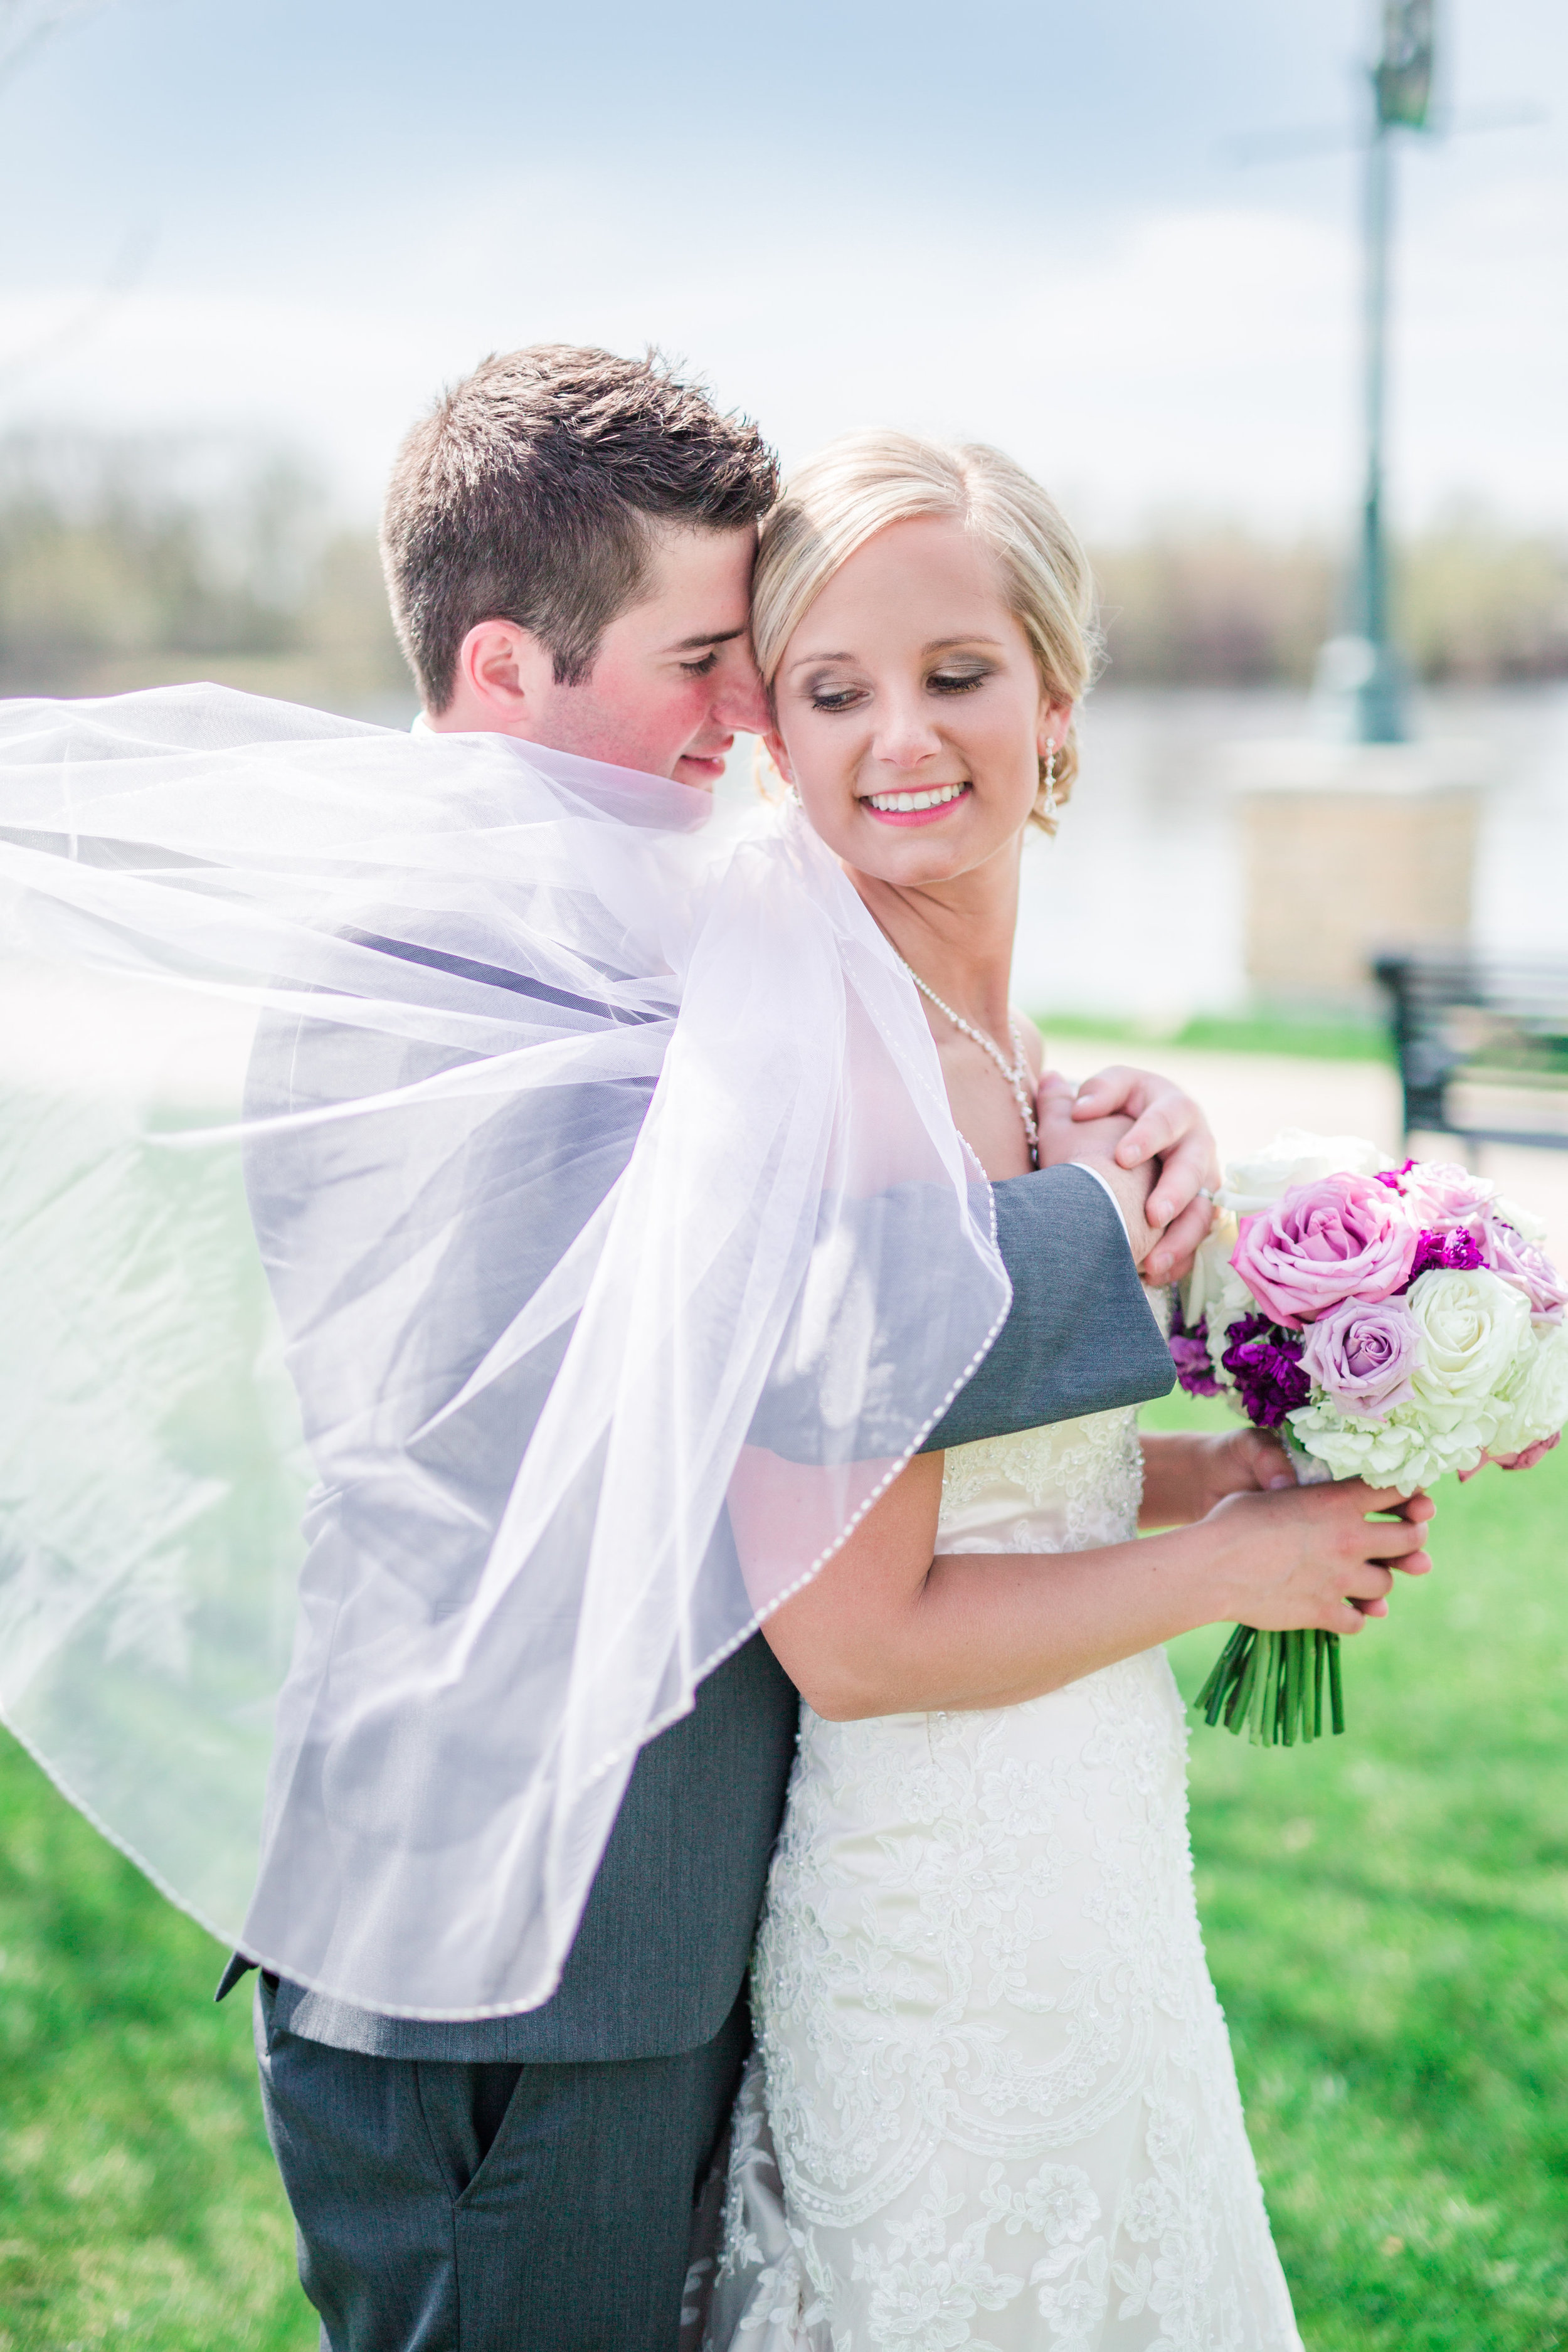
x=448, y=2207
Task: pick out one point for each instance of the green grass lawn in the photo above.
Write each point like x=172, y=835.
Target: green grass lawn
x=1387, y=1919
x=139, y=2204
x=1387, y=1922
x=1321, y=1036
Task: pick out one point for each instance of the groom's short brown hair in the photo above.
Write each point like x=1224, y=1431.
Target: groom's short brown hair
x=526, y=493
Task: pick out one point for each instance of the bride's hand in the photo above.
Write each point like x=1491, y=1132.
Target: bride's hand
x=1096, y=1143
x=1169, y=1129
x=1315, y=1556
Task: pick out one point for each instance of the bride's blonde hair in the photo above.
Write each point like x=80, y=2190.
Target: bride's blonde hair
x=857, y=486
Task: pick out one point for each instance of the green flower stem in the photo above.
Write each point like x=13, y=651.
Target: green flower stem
x=1227, y=1670
x=1261, y=1729
x=1241, y=1703
x=1271, y=1686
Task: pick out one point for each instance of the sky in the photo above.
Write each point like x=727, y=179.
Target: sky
x=1014, y=220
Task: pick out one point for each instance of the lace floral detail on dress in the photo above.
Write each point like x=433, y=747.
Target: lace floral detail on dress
x=760, y=2293
x=926, y=2288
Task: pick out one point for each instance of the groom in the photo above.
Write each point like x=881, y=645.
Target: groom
x=569, y=540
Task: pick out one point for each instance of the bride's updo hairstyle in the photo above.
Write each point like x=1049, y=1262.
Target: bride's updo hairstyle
x=857, y=486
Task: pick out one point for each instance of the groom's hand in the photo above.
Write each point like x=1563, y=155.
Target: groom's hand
x=1168, y=1127
x=1096, y=1143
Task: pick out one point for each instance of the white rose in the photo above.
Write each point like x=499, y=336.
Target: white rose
x=1523, y=1221
x=1296, y=1157
x=1473, y=1330
x=1535, y=1394
x=1214, y=1289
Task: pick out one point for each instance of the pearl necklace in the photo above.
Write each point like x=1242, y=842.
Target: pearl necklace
x=1017, y=1072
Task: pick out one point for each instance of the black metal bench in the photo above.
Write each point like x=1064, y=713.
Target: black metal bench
x=1482, y=1045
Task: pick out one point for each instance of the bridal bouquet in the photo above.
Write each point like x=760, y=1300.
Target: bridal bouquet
x=1390, y=1323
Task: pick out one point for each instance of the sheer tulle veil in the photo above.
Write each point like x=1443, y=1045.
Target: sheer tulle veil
x=476, y=1228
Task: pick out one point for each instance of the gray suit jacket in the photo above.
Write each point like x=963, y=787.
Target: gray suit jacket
x=662, y=1950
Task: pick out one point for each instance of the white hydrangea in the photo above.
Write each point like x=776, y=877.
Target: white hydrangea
x=1404, y=1451
x=1296, y=1156
x=1534, y=1397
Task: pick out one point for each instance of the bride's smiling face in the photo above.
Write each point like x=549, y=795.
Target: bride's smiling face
x=910, y=717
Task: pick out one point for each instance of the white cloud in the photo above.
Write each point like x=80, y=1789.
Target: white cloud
x=1201, y=359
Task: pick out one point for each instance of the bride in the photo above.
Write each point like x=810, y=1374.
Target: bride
x=992, y=2101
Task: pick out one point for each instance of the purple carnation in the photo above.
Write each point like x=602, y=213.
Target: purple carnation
x=1264, y=1362
x=1393, y=1177
x=1452, y=1253
x=1194, y=1370
x=1190, y=1352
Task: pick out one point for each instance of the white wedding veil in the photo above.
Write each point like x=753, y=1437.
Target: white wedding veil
x=476, y=1228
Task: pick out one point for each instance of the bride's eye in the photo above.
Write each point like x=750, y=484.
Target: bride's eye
x=956, y=681
x=834, y=698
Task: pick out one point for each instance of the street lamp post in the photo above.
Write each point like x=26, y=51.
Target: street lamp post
x=1367, y=841
x=1360, y=673
x=1380, y=696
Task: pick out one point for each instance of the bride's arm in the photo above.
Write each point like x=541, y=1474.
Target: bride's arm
x=885, y=1628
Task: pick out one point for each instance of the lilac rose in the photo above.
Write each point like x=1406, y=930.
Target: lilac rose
x=1361, y=1357
x=1442, y=1194
x=1339, y=1238
x=1515, y=1260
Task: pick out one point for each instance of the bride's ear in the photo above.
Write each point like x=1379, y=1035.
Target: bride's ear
x=1056, y=718
x=772, y=765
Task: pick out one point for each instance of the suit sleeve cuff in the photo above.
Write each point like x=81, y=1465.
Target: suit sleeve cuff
x=1109, y=1192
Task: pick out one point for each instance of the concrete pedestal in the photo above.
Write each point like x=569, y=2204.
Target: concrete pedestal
x=1348, y=849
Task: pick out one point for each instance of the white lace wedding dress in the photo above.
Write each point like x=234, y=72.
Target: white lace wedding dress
x=989, y=2055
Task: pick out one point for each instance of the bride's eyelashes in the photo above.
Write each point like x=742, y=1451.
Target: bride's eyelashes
x=947, y=681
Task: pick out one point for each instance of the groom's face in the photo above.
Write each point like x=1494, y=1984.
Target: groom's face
x=673, y=680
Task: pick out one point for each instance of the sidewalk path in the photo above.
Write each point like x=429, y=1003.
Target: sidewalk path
x=1250, y=1097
